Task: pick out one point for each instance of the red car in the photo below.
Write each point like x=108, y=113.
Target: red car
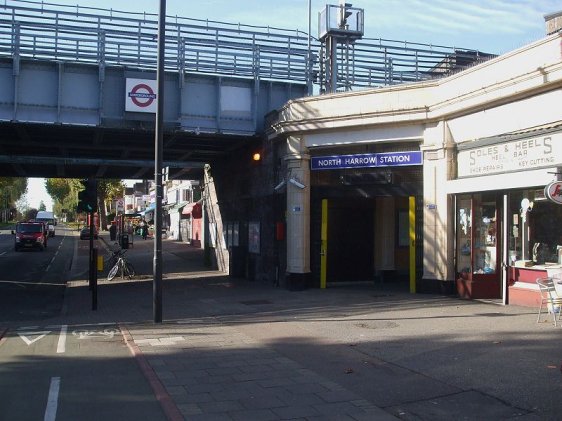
x=30, y=235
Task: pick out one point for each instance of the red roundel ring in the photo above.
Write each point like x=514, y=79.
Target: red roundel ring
x=137, y=97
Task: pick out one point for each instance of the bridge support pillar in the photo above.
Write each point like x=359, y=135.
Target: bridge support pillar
x=298, y=214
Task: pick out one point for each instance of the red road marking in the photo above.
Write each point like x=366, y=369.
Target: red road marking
x=170, y=409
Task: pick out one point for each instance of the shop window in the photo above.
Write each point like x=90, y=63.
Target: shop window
x=464, y=235
x=485, y=259
x=534, y=234
x=477, y=225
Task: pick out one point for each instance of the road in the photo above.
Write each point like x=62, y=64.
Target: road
x=56, y=371
x=32, y=282
x=67, y=373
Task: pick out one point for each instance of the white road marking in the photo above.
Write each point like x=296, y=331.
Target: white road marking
x=61, y=347
x=50, y=263
x=20, y=283
x=85, y=334
x=31, y=337
x=3, y=253
x=53, y=400
x=54, y=256
x=160, y=341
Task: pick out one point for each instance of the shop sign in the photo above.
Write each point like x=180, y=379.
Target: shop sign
x=369, y=160
x=523, y=154
x=553, y=191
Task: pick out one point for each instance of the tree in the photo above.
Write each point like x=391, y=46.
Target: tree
x=42, y=206
x=16, y=187
x=21, y=206
x=58, y=188
x=30, y=213
x=64, y=192
x=108, y=190
x=11, y=191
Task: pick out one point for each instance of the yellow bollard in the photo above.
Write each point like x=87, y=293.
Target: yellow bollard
x=100, y=263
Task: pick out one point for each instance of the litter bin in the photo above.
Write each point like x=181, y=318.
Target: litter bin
x=125, y=241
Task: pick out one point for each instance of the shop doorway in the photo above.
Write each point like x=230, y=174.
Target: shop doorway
x=478, y=246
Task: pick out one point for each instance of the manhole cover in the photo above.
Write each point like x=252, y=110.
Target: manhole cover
x=377, y=325
x=255, y=302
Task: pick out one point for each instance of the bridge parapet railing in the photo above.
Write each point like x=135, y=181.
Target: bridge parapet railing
x=90, y=35
x=40, y=30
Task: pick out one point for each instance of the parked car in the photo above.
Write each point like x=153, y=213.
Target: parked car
x=85, y=233
x=31, y=235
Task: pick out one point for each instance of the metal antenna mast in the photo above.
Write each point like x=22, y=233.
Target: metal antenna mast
x=338, y=25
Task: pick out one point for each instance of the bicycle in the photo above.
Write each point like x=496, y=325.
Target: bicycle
x=122, y=264
x=112, y=258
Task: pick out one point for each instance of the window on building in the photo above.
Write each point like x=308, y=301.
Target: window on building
x=534, y=227
x=477, y=225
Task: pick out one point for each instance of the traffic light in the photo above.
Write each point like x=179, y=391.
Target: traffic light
x=88, y=198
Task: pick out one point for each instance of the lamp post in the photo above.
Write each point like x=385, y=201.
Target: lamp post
x=309, y=51
x=158, y=145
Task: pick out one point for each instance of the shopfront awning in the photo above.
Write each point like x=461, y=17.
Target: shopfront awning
x=176, y=207
x=148, y=209
x=193, y=209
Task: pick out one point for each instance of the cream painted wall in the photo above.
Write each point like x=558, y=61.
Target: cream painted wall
x=517, y=91
x=437, y=249
x=370, y=135
x=519, y=115
x=298, y=207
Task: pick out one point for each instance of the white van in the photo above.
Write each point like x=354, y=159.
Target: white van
x=49, y=219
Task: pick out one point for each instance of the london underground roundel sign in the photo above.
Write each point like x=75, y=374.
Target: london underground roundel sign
x=141, y=96
x=553, y=191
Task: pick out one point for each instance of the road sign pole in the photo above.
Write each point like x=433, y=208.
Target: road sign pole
x=158, y=145
x=91, y=251
x=93, y=263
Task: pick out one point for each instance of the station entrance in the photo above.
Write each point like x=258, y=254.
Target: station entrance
x=366, y=223
x=364, y=240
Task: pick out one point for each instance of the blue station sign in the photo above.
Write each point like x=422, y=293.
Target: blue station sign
x=368, y=160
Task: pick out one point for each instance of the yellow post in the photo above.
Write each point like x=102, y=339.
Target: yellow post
x=412, y=221
x=324, y=244
x=100, y=264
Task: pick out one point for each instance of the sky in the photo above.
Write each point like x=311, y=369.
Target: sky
x=492, y=26
x=36, y=192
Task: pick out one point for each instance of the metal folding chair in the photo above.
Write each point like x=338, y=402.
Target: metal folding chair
x=549, y=298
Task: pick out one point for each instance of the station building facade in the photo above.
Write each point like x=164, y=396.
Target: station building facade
x=440, y=183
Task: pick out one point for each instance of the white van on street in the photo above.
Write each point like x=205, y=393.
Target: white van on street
x=49, y=219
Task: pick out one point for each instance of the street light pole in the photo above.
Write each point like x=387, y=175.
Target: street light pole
x=158, y=145
x=309, y=51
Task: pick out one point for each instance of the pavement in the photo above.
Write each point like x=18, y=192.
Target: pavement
x=230, y=349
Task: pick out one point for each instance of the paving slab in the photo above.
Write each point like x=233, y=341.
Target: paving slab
x=230, y=349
